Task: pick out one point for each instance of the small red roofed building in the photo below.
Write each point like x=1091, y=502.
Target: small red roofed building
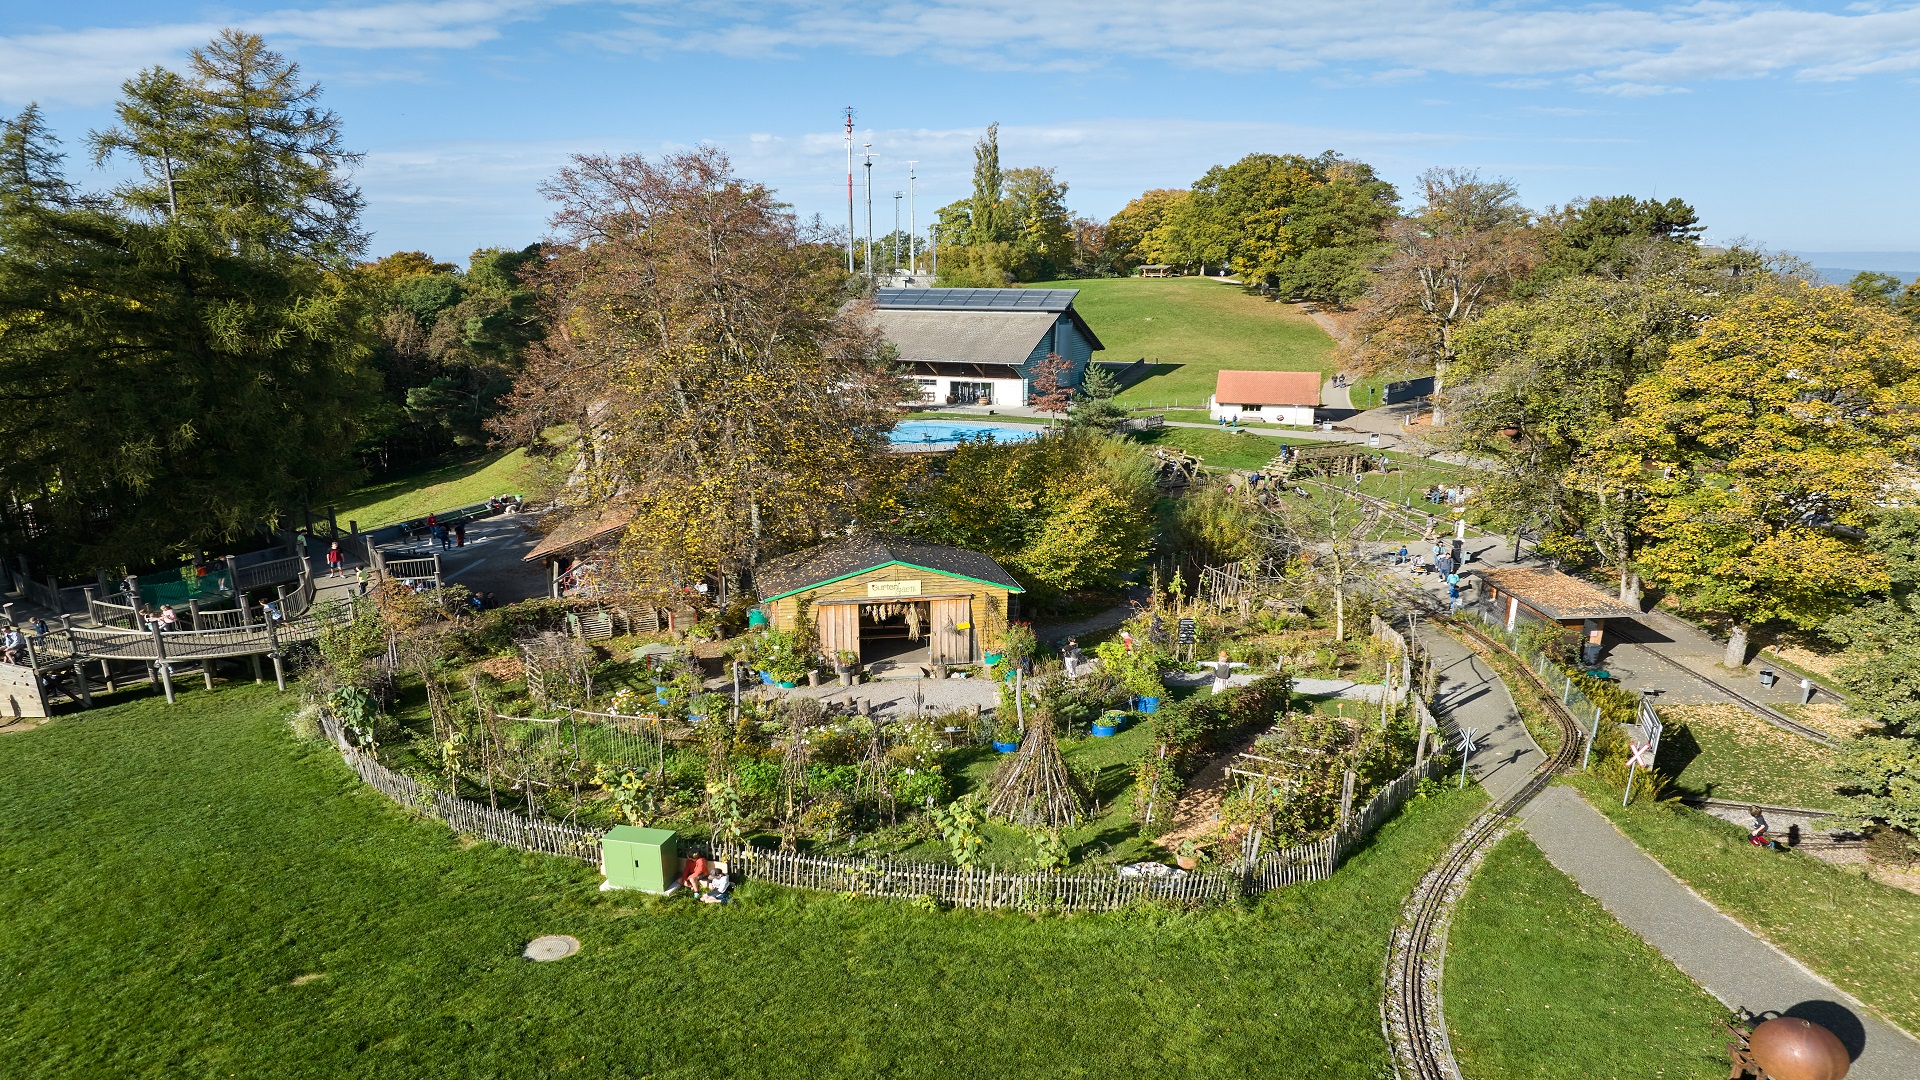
x=1277, y=397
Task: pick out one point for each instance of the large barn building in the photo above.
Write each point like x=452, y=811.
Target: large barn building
x=983, y=346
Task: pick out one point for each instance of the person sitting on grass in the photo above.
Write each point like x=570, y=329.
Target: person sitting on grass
x=716, y=886
x=695, y=873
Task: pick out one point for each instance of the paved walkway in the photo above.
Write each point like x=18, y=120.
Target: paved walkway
x=1732, y=963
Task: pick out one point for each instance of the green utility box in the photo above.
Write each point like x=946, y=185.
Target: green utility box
x=644, y=859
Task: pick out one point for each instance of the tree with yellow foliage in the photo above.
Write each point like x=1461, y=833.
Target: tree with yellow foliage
x=1766, y=442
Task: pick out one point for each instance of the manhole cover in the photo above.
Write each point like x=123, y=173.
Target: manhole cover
x=551, y=947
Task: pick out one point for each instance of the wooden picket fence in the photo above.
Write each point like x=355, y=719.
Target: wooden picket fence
x=464, y=815
x=881, y=876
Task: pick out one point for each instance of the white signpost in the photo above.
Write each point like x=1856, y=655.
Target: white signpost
x=1645, y=749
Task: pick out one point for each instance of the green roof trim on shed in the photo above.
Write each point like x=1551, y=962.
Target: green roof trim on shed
x=828, y=563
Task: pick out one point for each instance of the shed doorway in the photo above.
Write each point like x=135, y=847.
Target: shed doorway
x=899, y=636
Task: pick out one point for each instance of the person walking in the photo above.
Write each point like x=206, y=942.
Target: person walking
x=440, y=534
x=39, y=631
x=1401, y=559
x=460, y=533
x=1757, y=830
x=169, y=619
x=366, y=578
x=336, y=560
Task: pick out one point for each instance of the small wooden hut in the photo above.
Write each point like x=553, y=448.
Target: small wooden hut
x=892, y=600
x=1543, y=595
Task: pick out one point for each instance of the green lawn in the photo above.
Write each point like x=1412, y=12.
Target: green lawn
x=1725, y=752
x=1190, y=328
x=439, y=487
x=189, y=892
x=1541, y=982
x=1861, y=934
x=1220, y=449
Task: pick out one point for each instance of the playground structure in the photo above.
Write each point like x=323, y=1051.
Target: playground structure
x=98, y=639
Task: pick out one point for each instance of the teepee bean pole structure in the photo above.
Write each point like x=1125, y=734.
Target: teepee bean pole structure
x=1033, y=788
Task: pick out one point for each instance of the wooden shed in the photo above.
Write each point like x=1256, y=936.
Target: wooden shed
x=895, y=602
x=1543, y=595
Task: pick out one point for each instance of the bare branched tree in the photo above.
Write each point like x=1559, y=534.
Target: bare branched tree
x=1326, y=533
x=1456, y=255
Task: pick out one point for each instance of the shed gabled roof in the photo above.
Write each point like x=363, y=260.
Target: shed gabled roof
x=940, y=324
x=1052, y=300
x=580, y=532
x=960, y=336
x=1267, y=388
x=1557, y=595
x=816, y=566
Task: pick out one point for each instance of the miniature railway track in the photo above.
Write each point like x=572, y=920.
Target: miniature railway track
x=1764, y=712
x=1412, y=1013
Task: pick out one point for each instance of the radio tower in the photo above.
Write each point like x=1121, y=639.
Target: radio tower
x=849, y=189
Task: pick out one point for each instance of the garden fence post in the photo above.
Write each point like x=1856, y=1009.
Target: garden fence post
x=193, y=613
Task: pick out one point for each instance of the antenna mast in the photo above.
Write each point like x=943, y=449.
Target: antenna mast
x=849, y=189
x=913, y=232
x=869, y=210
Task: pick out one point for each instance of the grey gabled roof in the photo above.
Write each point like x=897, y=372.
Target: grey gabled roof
x=814, y=566
x=1053, y=300
x=962, y=336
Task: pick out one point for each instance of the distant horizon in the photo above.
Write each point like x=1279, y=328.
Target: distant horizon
x=464, y=108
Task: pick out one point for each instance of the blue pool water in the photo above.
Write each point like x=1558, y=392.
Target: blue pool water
x=946, y=433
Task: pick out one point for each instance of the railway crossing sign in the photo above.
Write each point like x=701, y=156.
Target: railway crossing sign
x=1467, y=747
x=1642, y=756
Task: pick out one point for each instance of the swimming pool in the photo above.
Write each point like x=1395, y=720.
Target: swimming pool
x=947, y=434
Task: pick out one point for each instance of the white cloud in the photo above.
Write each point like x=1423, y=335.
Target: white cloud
x=1621, y=49
x=87, y=66
x=1612, y=49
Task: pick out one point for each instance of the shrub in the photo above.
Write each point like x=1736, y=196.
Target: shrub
x=1195, y=730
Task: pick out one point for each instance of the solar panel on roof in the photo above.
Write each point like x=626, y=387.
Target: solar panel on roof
x=976, y=299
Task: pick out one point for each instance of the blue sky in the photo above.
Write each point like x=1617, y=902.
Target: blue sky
x=1786, y=124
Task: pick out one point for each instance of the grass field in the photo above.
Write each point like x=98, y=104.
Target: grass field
x=1190, y=328
x=1542, y=982
x=189, y=892
x=1728, y=753
x=1861, y=934
x=1220, y=449
x=441, y=486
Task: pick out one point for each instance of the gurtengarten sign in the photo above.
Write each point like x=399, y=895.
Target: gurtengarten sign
x=893, y=588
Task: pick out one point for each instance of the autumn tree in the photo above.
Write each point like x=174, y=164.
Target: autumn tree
x=1144, y=232
x=700, y=340
x=1765, y=443
x=1014, y=227
x=1324, y=535
x=1304, y=225
x=1068, y=513
x=1456, y=256
x=1540, y=383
